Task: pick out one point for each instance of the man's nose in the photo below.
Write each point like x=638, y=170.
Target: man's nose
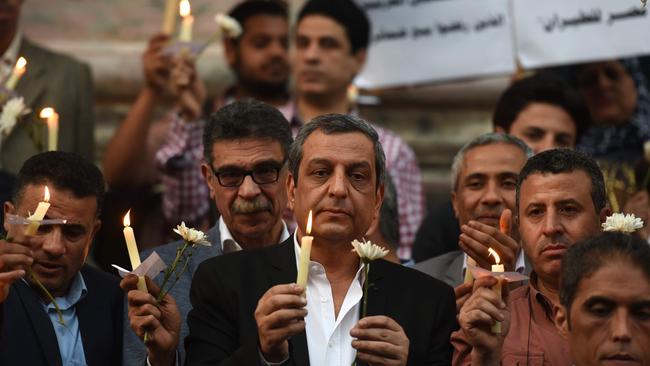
x=248, y=188
x=338, y=186
x=53, y=243
x=620, y=326
x=492, y=195
x=552, y=223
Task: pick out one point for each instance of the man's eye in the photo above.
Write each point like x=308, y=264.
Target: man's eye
x=230, y=174
x=358, y=177
x=534, y=135
x=321, y=173
x=73, y=233
x=536, y=212
x=474, y=184
x=509, y=184
x=44, y=229
x=569, y=210
x=600, y=310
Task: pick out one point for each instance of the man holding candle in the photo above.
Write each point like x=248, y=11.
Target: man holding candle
x=605, y=301
x=247, y=145
x=247, y=307
x=50, y=79
x=560, y=200
x=90, y=301
x=484, y=175
x=259, y=60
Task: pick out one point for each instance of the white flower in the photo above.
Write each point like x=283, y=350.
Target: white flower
x=13, y=109
x=368, y=251
x=624, y=223
x=192, y=236
x=228, y=25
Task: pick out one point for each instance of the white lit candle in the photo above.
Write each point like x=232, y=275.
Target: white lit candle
x=17, y=73
x=132, y=248
x=188, y=21
x=496, y=268
x=39, y=214
x=52, y=120
x=305, y=253
x=169, y=19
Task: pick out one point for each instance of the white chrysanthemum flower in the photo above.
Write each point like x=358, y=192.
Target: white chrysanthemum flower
x=228, y=25
x=368, y=251
x=13, y=109
x=192, y=236
x=624, y=223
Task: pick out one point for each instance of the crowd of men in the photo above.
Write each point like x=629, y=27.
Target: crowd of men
x=251, y=166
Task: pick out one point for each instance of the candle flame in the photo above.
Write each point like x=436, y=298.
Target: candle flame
x=46, y=112
x=127, y=218
x=46, y=194
x=184, y=8
x=309, y=223
x=21, y=63
x=493, y=253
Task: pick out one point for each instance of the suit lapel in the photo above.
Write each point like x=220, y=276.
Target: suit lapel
x=41, y=324
x=282, y=262
x=35, y=72
x=454, y=273
x=376, y=289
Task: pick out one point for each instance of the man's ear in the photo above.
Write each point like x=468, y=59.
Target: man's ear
x=360, y=56
x=291, y=191
x=453, y=203
x=209, y=178
x=561, y=319
x=230, y=52
x=606, y=211
x=381, y=190
x=8, y=208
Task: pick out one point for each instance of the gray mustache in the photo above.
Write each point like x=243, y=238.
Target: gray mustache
x=246, y=207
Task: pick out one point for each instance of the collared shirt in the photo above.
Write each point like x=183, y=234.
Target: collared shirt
x=328, y=336
x=229, y=244
x=68, y=336
x=532, y=338
x=9, y=58
x=403, y=169
x=520, y=264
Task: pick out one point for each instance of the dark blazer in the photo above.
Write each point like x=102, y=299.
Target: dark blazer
x=225, y=291
x=52, y=80
x=28, y=336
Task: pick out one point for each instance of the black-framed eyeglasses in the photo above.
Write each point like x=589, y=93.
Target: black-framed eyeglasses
x=265, y=173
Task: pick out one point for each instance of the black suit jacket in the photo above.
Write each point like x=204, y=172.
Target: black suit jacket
x=28, y=336
x=225, y=291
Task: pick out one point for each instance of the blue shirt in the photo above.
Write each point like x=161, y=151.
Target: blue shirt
x=68, y=336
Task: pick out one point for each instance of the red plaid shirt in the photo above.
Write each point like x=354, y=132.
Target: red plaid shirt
x=185, y=193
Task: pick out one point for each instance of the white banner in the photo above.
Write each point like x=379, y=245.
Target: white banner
x=555, y=32
x=419, y=41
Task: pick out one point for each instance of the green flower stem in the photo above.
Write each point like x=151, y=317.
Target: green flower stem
x=364, y=300
x=170, y=270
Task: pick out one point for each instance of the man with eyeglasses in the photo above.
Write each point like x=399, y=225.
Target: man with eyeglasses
x=246, y=145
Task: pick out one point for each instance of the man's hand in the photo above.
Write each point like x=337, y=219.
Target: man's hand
x=187, y=88
x=462, y=292
x=476, y=238
x=279, y=315
x=161, y=323
x=15, y=257
x=157, y=67
x=477, y=316
x=380, y=341
x=639, y=205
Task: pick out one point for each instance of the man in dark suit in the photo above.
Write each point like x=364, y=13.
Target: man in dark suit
x=247, y=310
x=87, y=326
x=242, y=136
x=51, y=80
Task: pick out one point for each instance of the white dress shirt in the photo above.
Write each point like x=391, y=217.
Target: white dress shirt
x=229, y=244
x=328, y=337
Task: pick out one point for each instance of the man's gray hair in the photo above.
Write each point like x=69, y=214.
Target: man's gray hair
x=337, y=123
x=484, y=140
